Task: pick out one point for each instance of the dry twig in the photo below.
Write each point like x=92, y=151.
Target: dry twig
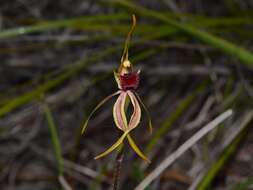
x=184, y=147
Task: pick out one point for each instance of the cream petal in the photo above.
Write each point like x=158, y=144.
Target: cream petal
x=136, y=115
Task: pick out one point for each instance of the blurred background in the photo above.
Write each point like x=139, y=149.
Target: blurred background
x=57, y=58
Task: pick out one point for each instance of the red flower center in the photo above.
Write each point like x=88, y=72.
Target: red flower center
x=129, y=81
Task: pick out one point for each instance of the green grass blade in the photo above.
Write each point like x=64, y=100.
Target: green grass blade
x=66, y=74
x=225, y=155
x=55, y=140
x=168, y=123
x=49, y=25
x=238, y=52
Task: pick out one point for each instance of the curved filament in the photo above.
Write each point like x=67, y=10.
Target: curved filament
x=147, y=112
x=127, y=42
x=95, y=109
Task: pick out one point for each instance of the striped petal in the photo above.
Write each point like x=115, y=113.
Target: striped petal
x=95, y=109
x=136, y=149
x=119, y=114
x=136, y=115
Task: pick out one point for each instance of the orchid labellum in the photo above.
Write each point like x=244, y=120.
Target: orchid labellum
x=128, y=81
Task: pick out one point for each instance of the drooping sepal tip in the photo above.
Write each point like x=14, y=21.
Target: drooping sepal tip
x=136, y=149
x=150, y=125
x=113, y=147
x=119, y=142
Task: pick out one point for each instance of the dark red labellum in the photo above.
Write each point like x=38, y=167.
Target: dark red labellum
x=129, y=81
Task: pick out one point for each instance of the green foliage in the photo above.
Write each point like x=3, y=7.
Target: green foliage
x=43, y=88
x=173, y=117
x=244, y=185
x=225, y=155
x=197, y=27
x=242, y=54
x=49, y=25
x=55, y=140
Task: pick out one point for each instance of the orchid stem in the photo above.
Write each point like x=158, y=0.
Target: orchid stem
x=119, y=159
x=117, y=168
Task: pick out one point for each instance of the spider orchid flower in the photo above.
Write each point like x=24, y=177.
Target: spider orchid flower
x=127, y=81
